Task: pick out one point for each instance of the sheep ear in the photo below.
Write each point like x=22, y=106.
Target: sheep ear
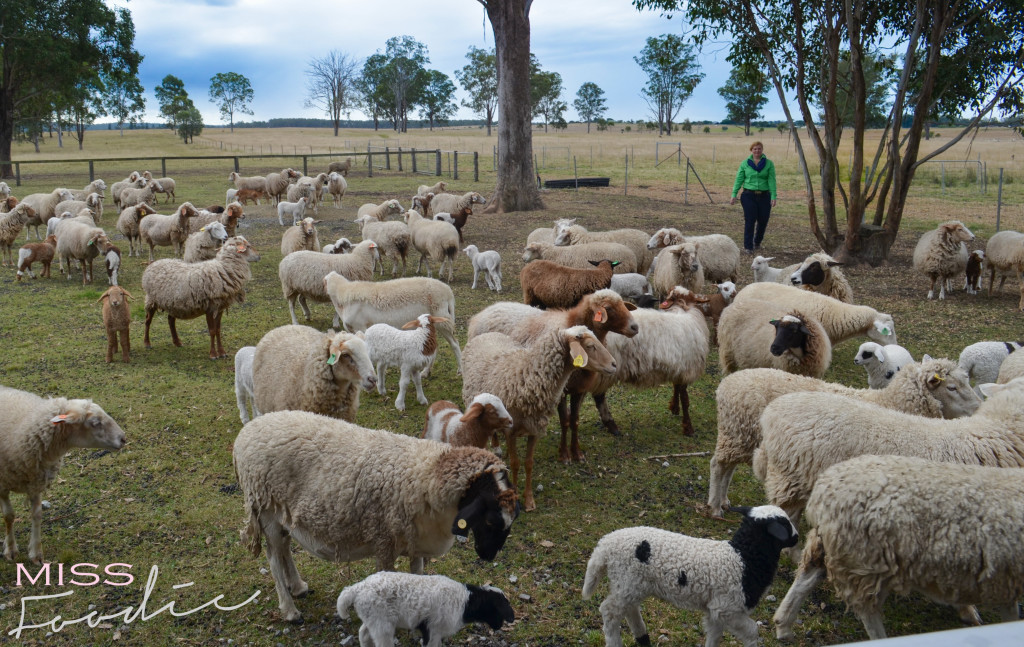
x=103, y=296
x=770, y=258
x=128, y=294
x=834, y=263
x=600, y=315
x=779, y=531
x=926, y=358
x=594, y=263
x=412, y=324
x=579, y=356
x=804, y=330
x=466, y=516
x=473, y=412
x=742, y=509
x=990, y=389
x=880, y=354
x=629, y=306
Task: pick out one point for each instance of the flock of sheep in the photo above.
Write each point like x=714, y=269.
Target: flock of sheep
x=917, y=449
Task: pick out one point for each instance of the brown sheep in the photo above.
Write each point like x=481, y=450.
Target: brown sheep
x=549, y=285
x=245, y=195
x=116, y=319
x=342, y=167
x=32, y=252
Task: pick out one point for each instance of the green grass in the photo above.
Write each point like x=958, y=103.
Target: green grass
x=167, y=498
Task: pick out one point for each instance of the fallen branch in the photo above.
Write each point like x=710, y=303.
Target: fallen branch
x=686, y=455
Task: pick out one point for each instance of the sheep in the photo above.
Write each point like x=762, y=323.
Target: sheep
x=7, y=202
x=128, y=224
x=256, y=183
x=678, y=265
x=116, y=320
x=440, y=187
x=363, y=493
x=1004, y=253
x=302, y=274
x=78, y=241
x=881, y=362
x=460, y=208
x=719, y=255
x=5, y=191
x=712, y=306
x=486, y=420
x=277, y=183
x=336, y=186
x=964, y=548
x=229, y=217
x=230, y=196
x=301, y=236
x=579, y=256
x=421, y=203
x=763, y=272
x=297, y=210
x=381, y=211
x=566, y=233
x=245, y=391
x=941, y=254
x=982, y=359
x=112, y=260
x=443, y=217
x=311, y=187
x=93, y=202
x=933, y=388
x=167, y=231
x=488, y=262
x=805, y=433
x=435, y=241
x=549, y=285
x=342, y=167
x=973, y=272
x=203, y=244
x=36, y=434
x=724, y=579
x=1012, y=367
x=32, y=252
x=411, y=349
x=244, y=196
x=759, y=334
x=43, y=205
x=630, y=286
x=340, y=246
x=132, y=196
x=11, y=224
x=301, y=368
x=392, y=237
x=134, y=180
x=166, y=185
x=187, y=290
x=842, y=321
x=529, y=380
x=97, y=186
x=820, y=273
x=435, y=605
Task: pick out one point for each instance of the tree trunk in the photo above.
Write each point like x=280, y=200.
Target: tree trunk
x=490, y=121
x=6, y=129
x=516, y=189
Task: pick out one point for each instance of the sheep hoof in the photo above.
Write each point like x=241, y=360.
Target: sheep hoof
x=613, y=429
x=297, y=620
x=688, y=429
x=301, y=595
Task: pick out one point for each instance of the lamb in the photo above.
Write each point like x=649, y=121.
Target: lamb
x=302, y=274
x=678, y=265
x=11, y=224
x=549, y=285
x=881, y=362
x=435, y=605
x=43, y=205
x=187, y=290
x=112, y=260
x=982, y=359
x=1004, y=253
x=277, y=183
x=763, y=272
x=759, y=334
x=360, y=304
x=934, y=388
x=340, y=246
x=567, y=233
x=421, y=203
x=167, y=231
x=365, y=492
x=165, y=185
x=245, y=391
x=719, y=255
x=147, y=194
x=336, y=186
x=1011, y=368
x=93, y=202
x=486, y=420
x=301, y=236
x=713, y=305
x=128, y=224
x=973, y=272
x=579, y=256
x=440, y=187
x=820, y=273
x=411, y=349
x=435, y=241
x=134, y=180
x=37, y=433
x=941, y=254
x=116, y=319
x=228, y=216
x=863, y=509
x=297, y=210
x=78, y=241
x=630, y=286
x=203, y=245
x=230, y=196
x=392, y=237
x=805, y=433
x=255, y=183
x=443, y=217
x=32, y=252
x=311, y=187
x=301, y=368
x=5, y=191
x=245, y=196
x=488, y=262
x=381, y=211
x=724, y=579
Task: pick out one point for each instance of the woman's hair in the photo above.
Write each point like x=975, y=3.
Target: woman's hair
x=756, y=144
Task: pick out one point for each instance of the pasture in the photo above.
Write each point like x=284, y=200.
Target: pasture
x=169, y=498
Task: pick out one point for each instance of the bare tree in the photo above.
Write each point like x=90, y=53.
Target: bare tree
x=331, y=85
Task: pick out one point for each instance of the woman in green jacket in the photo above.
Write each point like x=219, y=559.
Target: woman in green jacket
x=756, y=176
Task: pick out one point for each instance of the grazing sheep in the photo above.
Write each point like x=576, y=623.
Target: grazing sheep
x=128, y=224
x=434, y=605
x=43, y=206
x=336, y=186
x=245, y=391
x=35, y=433
x=116, y=319
x=93, y=202
x=941, y=254
x=973, y=272
x=759, y=334
x=678, y=265
x=229, y=217
x=165, y=185
x=343, y=167
x=167, y=231
x=486, y=420
x=11, y=224
x=934, y=388
x=440, y=187
x=896, y=524
x=112, y=259
x=302, y=274
x=245, y=196
x=32, y=252
x=411, y=349
x=340, y=246
x=257, y=183
x=719, y=255
x=1004, y=254
x=187, y=290
x=1011, y=368
x=392, y=237
x=488, y=262
x=363, y=493
x=436, y=242
x=147, y=194
x=301, y=236
x=982, y=359
x=134, y=180
x=630, y=286
x=567, y=233
x=763, y=272
x=724, y=579
x=81, y=242
x=580, y=256
x=381, y=211
x=549, y=285
x=820, y=273
x=881, y=362
x=203, y=245
x=277, y=183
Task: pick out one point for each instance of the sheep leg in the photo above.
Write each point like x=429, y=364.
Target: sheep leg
x=418, y=383
x=563, y=422
x=575, y=453
x=126, y=346
x=931, y=289
x=150, y=311
x=305, y=307
x=742, y=626
x=807, y=578
x=171, y=323
x=476, y=273
x=382, y=636
x=528, y=502
x=381, y=372
x=286, y=577
x=241, y=399
x=673, y=402
x=871, y=617
x=611, y=614
x=403, y=385
x=10, y=544
x=942, y=289
x=111, y=345
x=684, y=402
x=636, y=624
x=35, y=541
x=447, y=331
x=513, y=459
x=605, y=413
x=968, y=614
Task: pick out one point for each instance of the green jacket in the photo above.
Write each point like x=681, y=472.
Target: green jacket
x=751, y=180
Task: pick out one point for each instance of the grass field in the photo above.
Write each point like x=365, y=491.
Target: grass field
x=168, y=499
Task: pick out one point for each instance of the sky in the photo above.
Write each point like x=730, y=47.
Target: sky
x=271, y=42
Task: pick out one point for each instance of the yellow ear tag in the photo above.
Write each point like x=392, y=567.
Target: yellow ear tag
x=462, y=524
x=332, y=359
x=578, y=361
x=938, y=377
x=202, y=229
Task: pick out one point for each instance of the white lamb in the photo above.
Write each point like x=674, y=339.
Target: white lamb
x=882, y=362
x=411, y=349
x=630, y=285
x=983, y=359
x=488, y=262
x=297, y=210
x=244, y=389
x=764, y=273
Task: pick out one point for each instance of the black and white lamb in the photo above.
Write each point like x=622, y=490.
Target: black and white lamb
x=724, y=579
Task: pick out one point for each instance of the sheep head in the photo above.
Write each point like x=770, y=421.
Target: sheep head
x=116, y=296
x=490, y=411
x=790, y=332
x=608, y=312
x=489, y=504
x=882, y=330
x=727, y=290
x=349, y=359
x=84, y=424
x=587, y=352
x=239, y=245
x=956, y=231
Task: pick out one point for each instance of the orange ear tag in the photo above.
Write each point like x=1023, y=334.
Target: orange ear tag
x=59, y=419
x=241, y=248
x=578, y=361
x=598, y=316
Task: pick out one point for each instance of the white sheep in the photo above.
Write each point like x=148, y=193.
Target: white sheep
x=411, y=349
x=167, y=230
x=719, y=255
x=1004, y=254
x=635, y=239
x=147, y=194
x=257, y=183
x=882, y=362
x=165, y=185
x=97, y=186
x=764, y=272
x=982, y=359
x=381, y=211
x=488, y=262
x=203, y=244
x=35, y=433
x=444, y=216
x=229, y=217
x=579, y=256
x=941, y=254
x=230, y=196
x=311, y=186
x=761, y=334
x=245, y=392
x=436, y=241
x=5, y=191
x=297, y=210
x=112, y=257
x=81, y=242
x=724, y=579
x=128, y=224
x=1011, y=368
x=896, y=524
x=820, y=273
x=277, y=183
x=134, y=180
x=435, y=605
x=301, y=236
x=302, y=274
x=337, y=185
x=93, y=202
x=363, y=493
x=44, y=204
x=486, y=420
x=440, y=187
x=631, y=285
x=392, y=237
x=678, y=265
x=11, y=224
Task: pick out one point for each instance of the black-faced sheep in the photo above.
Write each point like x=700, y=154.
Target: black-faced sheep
x=820, y=273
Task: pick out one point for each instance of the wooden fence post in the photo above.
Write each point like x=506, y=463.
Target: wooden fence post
x=437, y=171
x=476, y=166
x=455, y=175
x=414, y=160
x=92, y=174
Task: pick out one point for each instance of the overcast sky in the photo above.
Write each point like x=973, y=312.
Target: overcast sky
x=271, y=42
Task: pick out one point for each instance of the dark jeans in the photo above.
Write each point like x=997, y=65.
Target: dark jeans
x=757, y=209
